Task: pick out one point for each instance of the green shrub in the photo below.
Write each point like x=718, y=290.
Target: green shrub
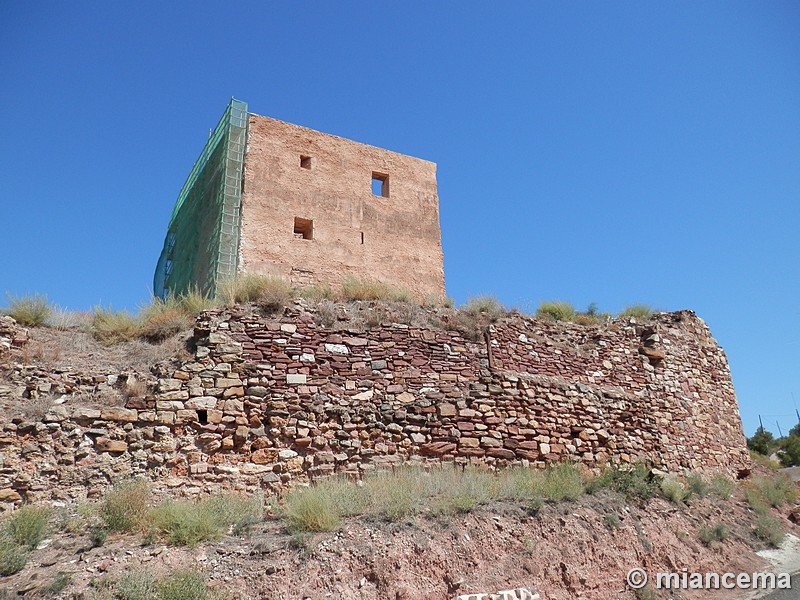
x=13, y=557
x=772, y=491
x=556, y=311
x=163, y=319
x=184, y=585
x=562, y=482
x=768, y=528
x=645, y=593
x=111, y=327
x=31, y=311
x=463, y=492
x=311, y=509
x=717, y=533
x=236, y=512
x=639, y=311
x=58, y=584
x=612, y=520
x=275, y=297
x=193, y=302
x=673, y=490
x=187, y=523
x=473, y=318
x=125, y=506
x=98, y=535
x=136, y=585
x=634, y=482
x=249, y=288
x=28, y=525
x=317, y=292
x=354, y=288
x=697, y=485
x=721, y=486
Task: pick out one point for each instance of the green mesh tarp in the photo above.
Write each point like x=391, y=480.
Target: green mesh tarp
x=202, y=242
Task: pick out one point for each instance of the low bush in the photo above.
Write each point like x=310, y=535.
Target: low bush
x=556, y=311
x=771, y=491
x=634, y=482
x=612, y=520
x=162, y=320
x=245, y=288
x=473, y=318
x=317, y=292
x=673, y=490
x=125, y=506
x=275, y=295
x=697, y=485
x=354, y=288
x=187, y=523
x=29, y=310
x=58, y=584
x=136, y=585
x=111, y=327
x=639, y=311
x=721, y=487
x=184, y=585
x=717, y=533
x=311, y=509
x=562, y=482
x=769, y=529
x=29, y=525
x=64, y=320
x=13, y=557
x=193, y=302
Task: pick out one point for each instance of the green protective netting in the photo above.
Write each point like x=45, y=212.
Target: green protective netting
x=202, y=243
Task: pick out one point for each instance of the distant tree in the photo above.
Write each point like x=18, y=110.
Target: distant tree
x=795, y=431
x=761, y=442
x=791, y=451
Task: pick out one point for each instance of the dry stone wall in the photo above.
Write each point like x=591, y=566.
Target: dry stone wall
x=265, y=402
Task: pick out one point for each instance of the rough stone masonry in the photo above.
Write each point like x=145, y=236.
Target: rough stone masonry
x=265, y=402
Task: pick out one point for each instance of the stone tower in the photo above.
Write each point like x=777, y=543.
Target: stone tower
x=269, y=197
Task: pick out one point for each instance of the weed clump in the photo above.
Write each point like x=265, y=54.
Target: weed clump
x=29, y=310
x=188, y=523
x=717, y=533
x=639, y=311
x=125, y=506
x=634, y=482
x=29, y=525
x=111, y=327
x=473, y=318
x=769, y=529
x=354, y=288
x=556, y=311
x=13, y=557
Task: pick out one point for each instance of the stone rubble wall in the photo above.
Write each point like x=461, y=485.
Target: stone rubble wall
x=266, y=402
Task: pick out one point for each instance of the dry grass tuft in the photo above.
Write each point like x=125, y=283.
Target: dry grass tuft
x=29, y=310
x=111, y=327
x=354, y=288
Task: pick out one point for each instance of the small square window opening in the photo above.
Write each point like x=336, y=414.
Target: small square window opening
x=380, y=184
x=303, y=229
x=305, y=162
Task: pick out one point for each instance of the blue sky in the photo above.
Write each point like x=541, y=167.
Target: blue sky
x=609, y=152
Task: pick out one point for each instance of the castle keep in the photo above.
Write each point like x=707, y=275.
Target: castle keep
x=267, y=197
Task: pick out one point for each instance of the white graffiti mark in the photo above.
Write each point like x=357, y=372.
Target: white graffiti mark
x=516, y=594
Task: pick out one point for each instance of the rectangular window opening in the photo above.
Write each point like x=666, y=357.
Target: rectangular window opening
x=305, y=161
x=303, y=229
x=380, y=184
x=202, y=417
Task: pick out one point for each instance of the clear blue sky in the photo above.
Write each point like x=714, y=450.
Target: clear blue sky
x=609, y=152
